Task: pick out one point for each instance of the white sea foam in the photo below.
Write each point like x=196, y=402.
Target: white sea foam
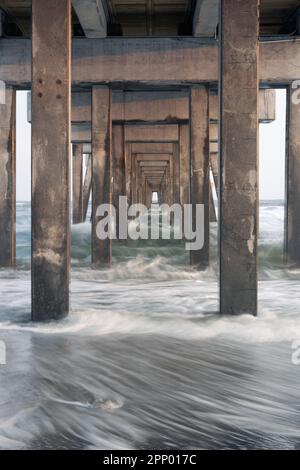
x=144, y=359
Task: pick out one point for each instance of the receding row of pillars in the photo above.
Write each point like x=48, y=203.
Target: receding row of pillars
x=238, y=163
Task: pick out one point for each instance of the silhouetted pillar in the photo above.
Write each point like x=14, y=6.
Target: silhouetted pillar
x=51, y=97
x=102, y=172
x=212, y=208
x=128, y=172
x=171, y=179
x=238, y=155
x=134, y=179
x=184, y=150
x=140, y=184
x=176, y=173
x=148, y=195
x=292, y=230
x=8, y=179
x=77, y=183
x=87, y=187
x=168, y=184
x=119, y=183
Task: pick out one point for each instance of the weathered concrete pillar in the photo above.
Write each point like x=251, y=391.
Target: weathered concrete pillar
x=119, y=183
x=51, y=99
x=161, y=194
x=134, y=178
x=1, y=23
x=184, y=146
x=292, y=219
x=215, y=171
x=102, y=172
x=167, y=185
x=171, y=179
x=164, y=191
x=144, y=183
x=8, y=180
x=77, y=183
x=212, y=208
x=137, y=182
x=148, y=196
x=144, y=191
x=140, y=185
x=176, y=173
x=214, y=164
x=238, y=155
x=200, y=184
x=213, y=149
x=87, y=187
x=128, y=173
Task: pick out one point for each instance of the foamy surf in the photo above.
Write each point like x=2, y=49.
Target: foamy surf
x=136, y=363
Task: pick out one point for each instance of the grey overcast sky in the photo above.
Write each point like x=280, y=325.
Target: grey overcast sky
x=272, y=151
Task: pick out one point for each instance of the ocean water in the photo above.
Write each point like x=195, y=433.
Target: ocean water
x=144, y=360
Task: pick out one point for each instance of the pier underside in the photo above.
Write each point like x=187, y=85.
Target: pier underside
x=155, y=97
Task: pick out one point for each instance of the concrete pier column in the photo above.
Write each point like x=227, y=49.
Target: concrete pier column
x=77, y=183
x=162, y=191
x=238, y=155
x=184, y=150
x=168, y=185
x=200, y=184
x=292, y=219
x=148, y=196
x=212, y=208
x=87, y=187
x=161, y=195
x=102, y=171
x=1, y=23
x=8, y=180
x=119, y=183
x=140, y=184
x=134, y=179
x=143, y=190
x=128, y=176
x=171, y=179
x=176, y=173
x=51, y=100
